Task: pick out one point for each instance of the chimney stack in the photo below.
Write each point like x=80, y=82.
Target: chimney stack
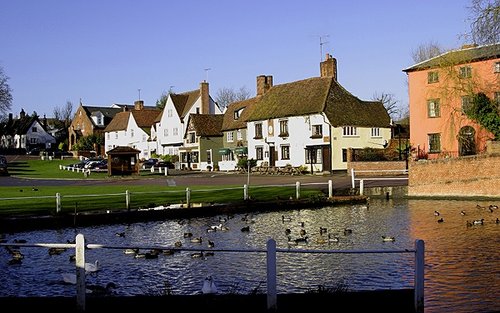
x=205, y=98
x=328, y=68
x=22, y=114
x=138, y=105
x=264, y=83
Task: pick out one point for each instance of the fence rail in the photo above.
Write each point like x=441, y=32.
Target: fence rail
x=184, y=198
x=271, y=256
x=353, y=176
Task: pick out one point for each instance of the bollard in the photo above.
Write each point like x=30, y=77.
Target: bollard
x=271, y=276
x=152, y=169
x=361, y=187
x=245, y=192
x=166, y=171
x=330, y=188
x=353, y=183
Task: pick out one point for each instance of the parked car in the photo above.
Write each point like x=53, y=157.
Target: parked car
x=149, y=163
x=34, y=151
x=166, y=164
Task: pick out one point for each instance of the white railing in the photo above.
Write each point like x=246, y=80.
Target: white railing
x=353, y=176
x=188, y=194
x=80, y=246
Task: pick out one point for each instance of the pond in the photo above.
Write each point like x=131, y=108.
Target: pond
x=461, y=272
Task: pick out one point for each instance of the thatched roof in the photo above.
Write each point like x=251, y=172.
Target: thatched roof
x=206, y=125
x=244, y=107
x=460, y=56
x=317, y=95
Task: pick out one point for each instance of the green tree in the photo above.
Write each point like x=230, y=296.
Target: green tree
x=160, y=103
x=89, y=143
x=485, y=112
x=5, y=94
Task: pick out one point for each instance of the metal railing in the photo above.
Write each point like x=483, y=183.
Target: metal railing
x=271, y=256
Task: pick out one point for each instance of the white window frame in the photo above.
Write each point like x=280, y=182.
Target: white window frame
x=349, y=131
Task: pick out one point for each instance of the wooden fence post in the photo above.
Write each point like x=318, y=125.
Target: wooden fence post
x=271, y=275
x=80, y=272
x=58, y=202
x=419, y=275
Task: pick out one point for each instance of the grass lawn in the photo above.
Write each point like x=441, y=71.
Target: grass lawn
x=42, y=200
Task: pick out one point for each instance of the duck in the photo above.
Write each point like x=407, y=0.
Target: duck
x=188, y=235
x=56, y=251
x=120, y=234
x=288, y=231
x=323, y=230
x=302, y=232
x=209, y=286
x=69, y=278
x=388, y=238
x=347, y=231
x=197, y=240
x=493, y=206
x=178, y=244
x=440, y=220
x=131, y=251
x=333, y=238
x=497, y=221
x=285, y=218
x=196, y=255
x=210, y=244
x=478, y=222
x=462, y=213
x=436, y=213
x=245, y=229
x=101, y=290
x=301, y=240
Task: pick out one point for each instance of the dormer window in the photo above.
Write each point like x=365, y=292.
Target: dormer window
x=497, y=67
x=317, y=131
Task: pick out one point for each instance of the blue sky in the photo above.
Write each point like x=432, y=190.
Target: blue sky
x=102, y=52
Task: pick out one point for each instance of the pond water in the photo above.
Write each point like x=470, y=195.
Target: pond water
x=462, y=272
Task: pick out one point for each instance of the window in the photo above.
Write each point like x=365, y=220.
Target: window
x=229, y=136
x=375, y=132
x=432, y=77
x=314, y=155
x=258, y=131
x=317, y=131
x=239, y=136
x=169, y=112
x=467, y=103
x=107, y=136
x=131, y=133
x=209, y=156
x=33, y=140
x=497, y=67
x=285, y=152
x=144, y=138
x=176, y=131
x=465, y=72
x=434, y=143
x=258, y=153
x=33, y=129
x=284, y=128
x=99, y=119
x=192, y=137
x=344, y=155
x=433, y=108
x=237, y=114
x=116, y=135
x=349, y=131
x=165, y=132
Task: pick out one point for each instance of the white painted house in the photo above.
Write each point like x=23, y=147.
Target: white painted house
x=25, y=132
x=312, y=122
x=132, y=128
x=170, y=125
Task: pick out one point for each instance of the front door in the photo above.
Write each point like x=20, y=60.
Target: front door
x=327, y=159
x=466, y=141
x=272, y=159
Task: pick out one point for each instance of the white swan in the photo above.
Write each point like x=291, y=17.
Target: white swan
x=69, y=278
x=209, y=286
x=388, y=238
x=92, y=267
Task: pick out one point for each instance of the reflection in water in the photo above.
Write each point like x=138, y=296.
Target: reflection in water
x=462, y=272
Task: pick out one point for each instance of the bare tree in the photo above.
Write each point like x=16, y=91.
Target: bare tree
x=485, y=21
x=226, y=96
x=64, y=113
x=5, y=94
x=426, y=51
x=390, y=104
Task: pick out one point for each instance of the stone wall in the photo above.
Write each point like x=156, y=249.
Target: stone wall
x=470, y=176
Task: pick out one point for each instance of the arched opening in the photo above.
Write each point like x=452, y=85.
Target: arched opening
x=466, y=141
